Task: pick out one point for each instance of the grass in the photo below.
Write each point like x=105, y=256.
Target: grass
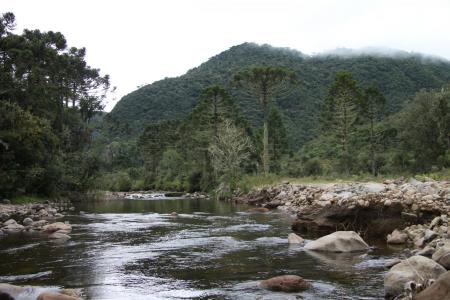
x=25, y=199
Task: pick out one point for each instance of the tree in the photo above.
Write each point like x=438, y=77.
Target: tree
x=229, y=151
x=264, y=82
x=373, y=106
x=341, y=112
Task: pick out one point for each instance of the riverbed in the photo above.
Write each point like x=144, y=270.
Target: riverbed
x=135, y=249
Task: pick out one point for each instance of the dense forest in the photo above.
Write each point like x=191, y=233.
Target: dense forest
x=48, y=95
x=249, y=111
x=398, y=77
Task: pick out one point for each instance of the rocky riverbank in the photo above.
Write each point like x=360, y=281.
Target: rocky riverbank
x=19, y=218
x=410, y=212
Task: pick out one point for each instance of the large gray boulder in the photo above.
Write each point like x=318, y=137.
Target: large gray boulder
x=416, y=268
x=437, y=291
x=339, y=241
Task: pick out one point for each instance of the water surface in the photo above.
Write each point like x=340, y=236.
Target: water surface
x=135, y=249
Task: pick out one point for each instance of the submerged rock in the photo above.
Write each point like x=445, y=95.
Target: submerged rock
x=286, y=283
x=416, y=268
x=295, y=239
x=59, y=235
x=437, y=291
x=259, y=209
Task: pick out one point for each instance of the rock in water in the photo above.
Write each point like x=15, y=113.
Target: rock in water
x=409, y=270
x=286, y=283
x=442, y=256
x=437, y=291
x=397, y=237
x=340, y=241
x=259, y=209
x=295, y=239
x=57, y=226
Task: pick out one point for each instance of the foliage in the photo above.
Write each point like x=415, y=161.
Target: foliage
x=229, y=150
x=48, y=95
x=398, y=78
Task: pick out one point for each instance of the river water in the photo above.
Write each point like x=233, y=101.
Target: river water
x=134, y=249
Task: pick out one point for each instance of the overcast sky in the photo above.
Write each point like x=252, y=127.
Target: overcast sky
x=138, y=42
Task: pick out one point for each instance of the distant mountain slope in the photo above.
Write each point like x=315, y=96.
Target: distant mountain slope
x=398, y=75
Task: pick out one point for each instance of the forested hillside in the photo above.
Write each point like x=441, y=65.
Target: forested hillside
x=398, y=77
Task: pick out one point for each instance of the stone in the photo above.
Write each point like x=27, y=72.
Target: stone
x=286, y=283
x=427, y=251
x=439, y=290
x=27, y=222
x=409, y=270
x=436, y=221
x=6, y=201
x=429, y=235
x=339, y=241
x=40, y=223
x=9, y=222
x=56, y=226
x=295, y=239
x=273, y=204
x=397, y=237
x=442, y=256
x=392, y=262
x=55, y=296
x=13, y=228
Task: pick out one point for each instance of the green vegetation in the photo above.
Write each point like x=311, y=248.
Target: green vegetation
x=398, y=78
x=48, y=95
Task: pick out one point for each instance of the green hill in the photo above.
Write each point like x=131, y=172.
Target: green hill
x=398, y=75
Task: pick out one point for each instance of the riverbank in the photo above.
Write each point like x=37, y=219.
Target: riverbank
x=407, y=212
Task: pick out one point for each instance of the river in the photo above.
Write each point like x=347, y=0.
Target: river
x=135, y=249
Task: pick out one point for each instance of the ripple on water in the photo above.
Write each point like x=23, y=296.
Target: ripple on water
x=24, y=277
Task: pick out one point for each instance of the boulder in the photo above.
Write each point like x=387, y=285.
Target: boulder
x=409, y=270
x=56, y=226
x=442, y=256
x=437, y=291
x=286, y=283
x=340, y=241
x=27, y=222
x=397, y=237
x=295, y=239
x=55, y=296
x=429, y=235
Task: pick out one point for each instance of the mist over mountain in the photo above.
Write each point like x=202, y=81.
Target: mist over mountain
x=398, y=74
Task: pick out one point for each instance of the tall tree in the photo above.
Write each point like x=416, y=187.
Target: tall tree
x=264, y=83
x=341, y=111
x=373, y=107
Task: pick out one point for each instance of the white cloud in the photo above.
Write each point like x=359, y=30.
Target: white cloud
x=139, y=42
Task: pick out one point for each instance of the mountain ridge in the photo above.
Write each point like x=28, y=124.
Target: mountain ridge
x=172, y=98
